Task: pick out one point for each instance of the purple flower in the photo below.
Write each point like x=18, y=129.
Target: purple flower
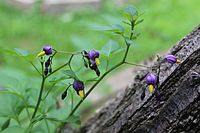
x=172, y=59
x=151, y=80
x=47, y=50
x=93, y=60
x=79, y=88
x=93, y=54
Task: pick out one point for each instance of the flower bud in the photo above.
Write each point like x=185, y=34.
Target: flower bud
x=48, y=62
x=46, y=71
x=172, y=59
x=64, y=94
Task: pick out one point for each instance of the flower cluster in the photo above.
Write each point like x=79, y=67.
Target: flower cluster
x=152, y=79
x=78, y=87
x=93, y=60
x=47, y=50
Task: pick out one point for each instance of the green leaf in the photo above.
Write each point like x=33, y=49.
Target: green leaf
x=110, y=48
x=79, y=41
x=21, y=52
x=57, y=79
x=71, y=74
x=130, y=42
x=6, y=51
x=74, y=120
x=102, y=28
x=24, y=54
x=5, y=124
x=139, y=21
x=116, y=28
x=11, y=103
x=13, y=129
x=131, y=10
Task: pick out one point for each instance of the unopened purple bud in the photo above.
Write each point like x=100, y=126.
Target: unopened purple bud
x=48, y=50
x=151, y=79
x=93, y=54
x=171, y=59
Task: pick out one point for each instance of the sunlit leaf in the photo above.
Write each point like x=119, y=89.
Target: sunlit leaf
x=70, y=74
x=131, y=10
x=110, y=48
x=116, y=28
x=21, y=52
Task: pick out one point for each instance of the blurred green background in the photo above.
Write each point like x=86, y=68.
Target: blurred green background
x=165, y=23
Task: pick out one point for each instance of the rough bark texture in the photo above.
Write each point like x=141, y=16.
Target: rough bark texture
x=179, y=108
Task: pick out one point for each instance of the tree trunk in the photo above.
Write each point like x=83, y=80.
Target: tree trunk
x=179, y=107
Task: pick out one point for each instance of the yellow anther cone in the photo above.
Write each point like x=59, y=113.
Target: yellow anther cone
x=151, y=89
x=42, y=53
x=178, y=61
x=81, y=93
x=97, y=61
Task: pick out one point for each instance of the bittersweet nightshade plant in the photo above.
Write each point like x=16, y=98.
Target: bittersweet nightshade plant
x=91, y=60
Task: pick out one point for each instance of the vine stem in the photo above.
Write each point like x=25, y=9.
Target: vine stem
x=101, y=78
x=39, y=98
x=42, y=85
x=107, y=72
x=72, y=53
x=135, y=64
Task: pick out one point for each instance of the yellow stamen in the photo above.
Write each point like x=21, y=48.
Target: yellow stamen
x=97, y=61
x=151, y=89
x=178, y=61
x=81, y=93
x=42, y=53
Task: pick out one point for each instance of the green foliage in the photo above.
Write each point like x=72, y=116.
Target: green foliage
x=111, y=47
x=31, y=30
x=5, y=124
x=70, y=74
x=13, y=129
x=130, y=13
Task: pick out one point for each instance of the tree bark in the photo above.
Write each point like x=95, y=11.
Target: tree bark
x=179, y=107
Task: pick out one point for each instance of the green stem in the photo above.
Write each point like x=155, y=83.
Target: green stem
x=68, y=63
x=39, y=98
x=57, y=69
x=35, y=67
x=135, y=64
x=107, y=72
x=48, y=92
x=72, y=100
x=72, y=53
